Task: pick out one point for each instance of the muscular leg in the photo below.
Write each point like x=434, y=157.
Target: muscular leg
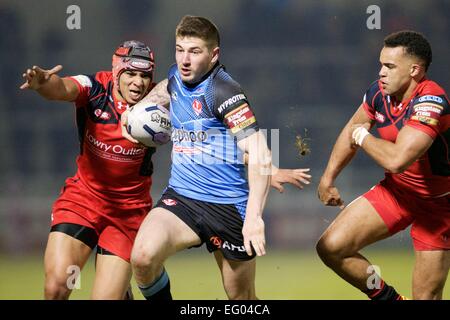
x=161, y=234
x=430, y=273
x=62, y=252
x=357, y=226
x=238, y=277
x=110, y=267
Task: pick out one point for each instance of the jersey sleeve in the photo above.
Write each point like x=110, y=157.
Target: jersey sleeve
x=231, y=106
x=84, y=84
x=370, y=99
x=427, y=113
x=170, y=75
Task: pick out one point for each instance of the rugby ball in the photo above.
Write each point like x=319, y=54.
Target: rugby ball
x=150, y=125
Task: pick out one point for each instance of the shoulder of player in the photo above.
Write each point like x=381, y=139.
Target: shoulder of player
x=227, y=92
x=429, y=87
x=431, y=92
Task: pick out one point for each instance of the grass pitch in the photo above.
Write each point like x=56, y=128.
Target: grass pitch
x=194, y=276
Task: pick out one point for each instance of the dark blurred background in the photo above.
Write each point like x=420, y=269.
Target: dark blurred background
x=304, y=65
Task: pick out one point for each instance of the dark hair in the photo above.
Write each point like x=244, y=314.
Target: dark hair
x=199, y=27
x=414, y=43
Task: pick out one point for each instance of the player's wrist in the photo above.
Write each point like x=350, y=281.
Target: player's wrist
x=359, y=134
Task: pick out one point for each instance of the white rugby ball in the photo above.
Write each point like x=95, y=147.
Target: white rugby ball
x=150, y=125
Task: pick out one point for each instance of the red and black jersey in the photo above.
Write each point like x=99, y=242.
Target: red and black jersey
x=110, y=166
x=427, y=110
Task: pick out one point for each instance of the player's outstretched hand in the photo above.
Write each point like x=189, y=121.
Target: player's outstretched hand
x=329, y=195
x=296, y=177
x=124, y=124
x=253, y=232
x=36, y=77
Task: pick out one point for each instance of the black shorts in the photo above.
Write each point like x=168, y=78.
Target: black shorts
x=217, y=225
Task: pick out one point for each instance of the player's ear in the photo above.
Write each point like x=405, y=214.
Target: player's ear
x=215, y=55
x=415, y=69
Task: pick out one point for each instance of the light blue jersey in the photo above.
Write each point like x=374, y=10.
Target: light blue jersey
x=208, y=118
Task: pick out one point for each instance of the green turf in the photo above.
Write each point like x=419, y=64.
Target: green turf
x=194, y=275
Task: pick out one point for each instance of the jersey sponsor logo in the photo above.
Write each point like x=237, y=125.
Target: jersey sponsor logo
x=379, y=117
x=231, y=101
x=430, y=98
x=105, y=150
x=232, y=247
x=216, y=241
x=170, y=202
x=179, y=135
x=102, y=114
x=186, y=150
x=240, y=118
x=427, y=113
x=197, y=106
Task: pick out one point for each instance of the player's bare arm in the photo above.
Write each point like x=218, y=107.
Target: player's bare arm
x=158, y=95
x=396, y=157
x=49, y=85
x=343, y=152
x=297, y=177
x=259, y=168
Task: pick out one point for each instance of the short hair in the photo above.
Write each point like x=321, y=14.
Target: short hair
x=415, y=44
x=199, y=27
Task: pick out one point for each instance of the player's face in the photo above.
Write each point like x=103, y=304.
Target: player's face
x=133, y=85
x=396, y=70
x=194, y=58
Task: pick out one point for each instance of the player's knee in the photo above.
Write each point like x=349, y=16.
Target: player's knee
x=56, y=287
x=329, y=247
x=143, y=260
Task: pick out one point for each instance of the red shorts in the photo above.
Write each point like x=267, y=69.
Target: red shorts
x=115, y=224
x=430, y=218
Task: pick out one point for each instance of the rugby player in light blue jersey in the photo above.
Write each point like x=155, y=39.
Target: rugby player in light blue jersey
x=209, y=198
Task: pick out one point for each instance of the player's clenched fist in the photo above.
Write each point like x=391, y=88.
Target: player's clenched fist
x=329, y=195
x=36, y=77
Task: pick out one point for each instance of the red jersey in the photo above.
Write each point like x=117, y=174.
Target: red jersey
x=427, y=110
x=109, y=165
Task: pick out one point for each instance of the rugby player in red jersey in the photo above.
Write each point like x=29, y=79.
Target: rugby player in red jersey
x=106, y=201
x=412, y=116
x=108, y=198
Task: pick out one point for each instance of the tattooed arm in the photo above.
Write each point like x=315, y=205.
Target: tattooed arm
x=158, y=95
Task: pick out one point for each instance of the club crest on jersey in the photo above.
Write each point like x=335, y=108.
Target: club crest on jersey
x=197, y=106
x=169, y=202
x=379, y=117
x=102, y=114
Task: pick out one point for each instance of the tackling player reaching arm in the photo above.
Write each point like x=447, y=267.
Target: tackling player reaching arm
x=49, y=85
